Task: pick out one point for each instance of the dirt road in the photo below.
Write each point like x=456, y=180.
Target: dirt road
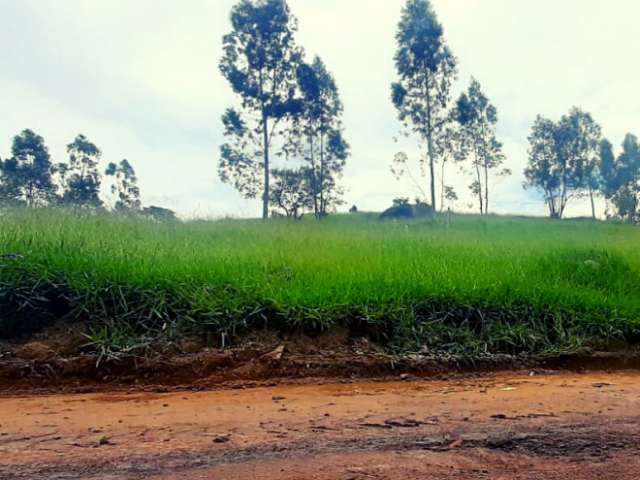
x=563, y=426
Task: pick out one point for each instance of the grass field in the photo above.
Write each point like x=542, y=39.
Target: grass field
x=475, y=286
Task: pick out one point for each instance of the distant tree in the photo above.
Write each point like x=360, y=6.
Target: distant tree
x=580, y=138
x=563, y=159
x=544, y=170
x=9, y=183
x=623, y=182
x=319, y=126
x=260, y=62
x=82, y=178
x=478, y=118
x=26, y=176
x=159, y=214
x=125, y=186
x=290, y=191
x=608, y=174
x=426, y=69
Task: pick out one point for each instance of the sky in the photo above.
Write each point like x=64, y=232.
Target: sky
x=140, y=78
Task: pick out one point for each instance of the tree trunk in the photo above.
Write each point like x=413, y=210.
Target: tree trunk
x=265, y=145
x=475, y=152
x=486, y=189
x=593, y=206
x=322, y=205
x=442, y=188
x=314, y=178
x=430, y=152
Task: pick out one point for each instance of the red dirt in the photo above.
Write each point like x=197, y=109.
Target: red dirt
x=501, y=426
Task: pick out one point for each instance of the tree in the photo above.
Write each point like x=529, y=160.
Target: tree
x=26, y=176
x=623, y=182
x=320, y=126
x=81, y=176
x=543, y=170
x=426, y=69
x=579, y=142
x=290, y=191
x=608, y=173
x=125, y=186
x=563, y=159
x=260, y=62
x=478, y=118
x=9, y=184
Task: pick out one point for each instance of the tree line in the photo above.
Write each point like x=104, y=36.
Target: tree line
x=570, y=159
x=285, y=142
x=291, y=110
x=30, y=178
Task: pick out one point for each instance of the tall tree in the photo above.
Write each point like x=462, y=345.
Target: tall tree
x=608, y=173
x=563, y=159
x=260, y=62
x=579, y=144
x=319, y=124
x=544, y=170
x=81, y=174
x=426, y=69
x=125, y=186
x=26, y=176
x=478, y=119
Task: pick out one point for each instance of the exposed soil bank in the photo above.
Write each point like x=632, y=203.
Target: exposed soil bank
x=499, y=426
x=34, y=367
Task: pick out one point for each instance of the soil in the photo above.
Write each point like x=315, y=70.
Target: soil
x=495, y=426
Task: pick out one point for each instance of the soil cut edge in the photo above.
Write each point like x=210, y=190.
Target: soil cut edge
x=234, y=368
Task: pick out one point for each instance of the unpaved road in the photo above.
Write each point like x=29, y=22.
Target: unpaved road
x=563, y=426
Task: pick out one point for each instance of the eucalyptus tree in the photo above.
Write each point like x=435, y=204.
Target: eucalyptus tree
x=608, y=175
x=26, y=177
x=426, y=69
x=81, y=175
x=260, y=60
x=624, y=182
x=478, y=118
x=580, y=138
x=563, y=159
x=319, y=126
x=125, y=186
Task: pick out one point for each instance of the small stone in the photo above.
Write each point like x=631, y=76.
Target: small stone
x=221, y=439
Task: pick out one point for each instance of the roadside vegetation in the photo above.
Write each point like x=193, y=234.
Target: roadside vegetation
x=468, y=286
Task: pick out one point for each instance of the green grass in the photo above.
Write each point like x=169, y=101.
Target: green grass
x=499, y=284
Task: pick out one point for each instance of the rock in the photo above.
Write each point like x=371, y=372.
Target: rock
x=221, y=438
x=275, y=354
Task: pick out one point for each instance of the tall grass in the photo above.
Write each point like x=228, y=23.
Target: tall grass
x=497, y=284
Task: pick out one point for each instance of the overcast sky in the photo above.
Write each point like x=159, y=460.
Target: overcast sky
x=140, y=78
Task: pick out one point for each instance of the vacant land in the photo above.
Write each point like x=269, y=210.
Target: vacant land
x=470, y=286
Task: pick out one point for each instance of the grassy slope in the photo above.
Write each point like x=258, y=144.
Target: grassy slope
x=496, y=284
